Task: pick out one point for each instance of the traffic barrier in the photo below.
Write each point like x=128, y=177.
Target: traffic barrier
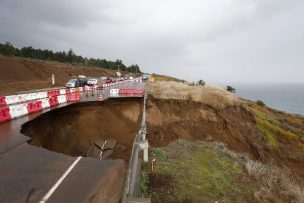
x=42, y=95
x=4, y=115
x=53, y=101
x=122, y=91
x=2, y=101
x=138, y=91
x=13, y=99
x=62, y=91
x=114, y=92
x=130, y=91
x=73, y=97
x=53, y=93
x=61, y=99
x=67, y=91
x=34, y=106
x=45, y=103
x=18, y=110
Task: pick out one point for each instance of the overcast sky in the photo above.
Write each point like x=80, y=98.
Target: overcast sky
x=224, y=41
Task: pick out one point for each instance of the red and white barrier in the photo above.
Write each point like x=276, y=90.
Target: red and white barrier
x=73, y=97
x=131, y=91
x=35, y=102
x=18, y=110
x=114, y=92
x=5, y=115
x=45, y=103
x=62, y=99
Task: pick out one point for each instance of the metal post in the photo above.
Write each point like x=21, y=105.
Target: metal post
x=53, y=79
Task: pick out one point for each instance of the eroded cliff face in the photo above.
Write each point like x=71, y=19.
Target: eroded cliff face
x=234, y=126
x=266, y=144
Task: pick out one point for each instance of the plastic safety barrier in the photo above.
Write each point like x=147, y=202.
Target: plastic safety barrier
x=18, y=110
x=73, y=97
x=53, y=101
x=2, y=101
x=45, y=103
x=122, y=91
x=131, y=91
x=13, y=99
x=114, y=92
x=72, y=90
x=61, y=99
x=4, y=115
x=138, y=91
x=34, y=106
x=53, y=93
x=62, y=91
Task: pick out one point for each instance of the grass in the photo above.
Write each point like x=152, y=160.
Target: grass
x=269, y=130
x=199, y=173
x=144, y=181
x=212, y=95
x=166, y=78
x=275, y=126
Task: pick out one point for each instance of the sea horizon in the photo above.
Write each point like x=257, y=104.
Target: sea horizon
x=288, y=97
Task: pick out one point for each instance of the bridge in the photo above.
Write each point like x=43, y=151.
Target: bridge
x=32, y=174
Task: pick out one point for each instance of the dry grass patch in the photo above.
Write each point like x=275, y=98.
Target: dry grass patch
x=211, y=95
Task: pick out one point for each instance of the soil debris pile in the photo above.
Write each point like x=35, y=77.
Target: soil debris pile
x=89, y=129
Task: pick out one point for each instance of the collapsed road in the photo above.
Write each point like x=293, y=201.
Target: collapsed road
x=53, y=156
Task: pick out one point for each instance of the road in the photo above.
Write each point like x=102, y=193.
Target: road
x=29, y=173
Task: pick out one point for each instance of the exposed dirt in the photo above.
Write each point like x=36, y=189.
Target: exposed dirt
x=233, y=125
x=27, y=74
x=74, y=129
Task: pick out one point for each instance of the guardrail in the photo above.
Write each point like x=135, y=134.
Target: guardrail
x=131, y=189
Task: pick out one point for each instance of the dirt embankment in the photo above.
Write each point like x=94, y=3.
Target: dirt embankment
x=74, y=129
x=266, y=145
x=27, y=74
x=209, y=113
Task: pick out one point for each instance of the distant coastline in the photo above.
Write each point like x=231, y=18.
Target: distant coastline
x=285, y=97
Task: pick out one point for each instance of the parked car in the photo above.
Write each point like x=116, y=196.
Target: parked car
x=92, y=82
x=108, y=80
x=72, y=83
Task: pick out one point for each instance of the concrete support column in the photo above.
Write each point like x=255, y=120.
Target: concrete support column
x=145, y=147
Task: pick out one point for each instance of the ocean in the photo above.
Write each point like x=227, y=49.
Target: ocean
x=285, y=97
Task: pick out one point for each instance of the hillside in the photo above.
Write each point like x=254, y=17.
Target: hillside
x=210, y=145
x=19, y=74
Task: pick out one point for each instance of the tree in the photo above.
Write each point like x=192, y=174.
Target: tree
x=201, y=82
x=7, y=49
x=230, y=89
x=134, y=69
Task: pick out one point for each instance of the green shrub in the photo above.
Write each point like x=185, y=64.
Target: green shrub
x=260, y=103
x=201, y=82
x=144, y=182
x=230, y=89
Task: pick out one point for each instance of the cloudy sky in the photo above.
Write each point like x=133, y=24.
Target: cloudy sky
x=223, y=41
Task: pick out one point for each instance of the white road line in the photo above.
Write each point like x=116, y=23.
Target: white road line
x=52, y=190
